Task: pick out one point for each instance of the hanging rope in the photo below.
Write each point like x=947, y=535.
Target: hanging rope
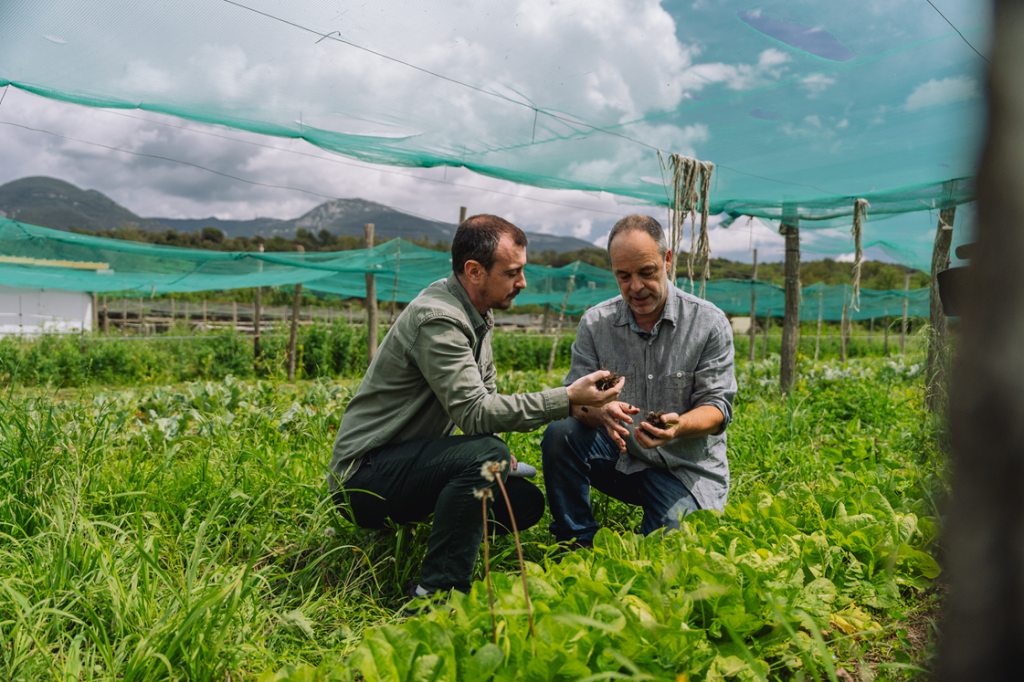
x=691, y=185
x=860, y=211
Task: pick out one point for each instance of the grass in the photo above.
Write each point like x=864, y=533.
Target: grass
x=183, y=533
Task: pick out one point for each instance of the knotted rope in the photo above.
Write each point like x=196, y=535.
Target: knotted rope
x=691, y=185
x=860, y=211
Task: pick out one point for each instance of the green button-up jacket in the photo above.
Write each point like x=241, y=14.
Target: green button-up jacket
x=434, y=371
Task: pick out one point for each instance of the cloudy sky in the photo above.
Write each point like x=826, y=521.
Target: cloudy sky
x=571, y=92
x=83, y=152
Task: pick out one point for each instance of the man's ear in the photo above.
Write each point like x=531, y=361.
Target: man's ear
x=668, y=265
x=474, y=271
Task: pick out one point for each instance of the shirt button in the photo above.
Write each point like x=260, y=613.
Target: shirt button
x=679, y=375
x=650, y=376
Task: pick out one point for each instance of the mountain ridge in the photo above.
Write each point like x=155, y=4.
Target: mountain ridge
x=56, y=204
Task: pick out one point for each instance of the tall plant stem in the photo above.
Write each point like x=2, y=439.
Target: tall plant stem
x=519, y=548
x=487, y=570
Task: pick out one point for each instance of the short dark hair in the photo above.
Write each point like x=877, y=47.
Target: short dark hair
x=642, y=223
x=477, y=239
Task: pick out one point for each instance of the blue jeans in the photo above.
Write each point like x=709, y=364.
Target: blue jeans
x=577, y=457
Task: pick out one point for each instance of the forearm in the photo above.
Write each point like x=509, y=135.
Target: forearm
x=699, y=422
x=591, y=416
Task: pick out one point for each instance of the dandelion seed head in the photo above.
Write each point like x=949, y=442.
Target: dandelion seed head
x=490, y=469
x=483, y=494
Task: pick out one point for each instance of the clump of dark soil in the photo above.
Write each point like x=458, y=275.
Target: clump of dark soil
x=608, y=382
x=655, y=419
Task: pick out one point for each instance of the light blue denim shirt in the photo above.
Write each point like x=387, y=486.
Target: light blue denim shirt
x=686, y=361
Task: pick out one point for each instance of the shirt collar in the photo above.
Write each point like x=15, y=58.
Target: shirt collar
x=475, y=318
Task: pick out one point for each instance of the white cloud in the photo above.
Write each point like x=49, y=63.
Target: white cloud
x=817, y=83
x=846, y=257
x=582, y=231
x=769, y=67
x=945, y=91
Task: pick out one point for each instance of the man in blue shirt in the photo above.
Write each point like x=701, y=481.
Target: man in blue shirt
x=676, y=353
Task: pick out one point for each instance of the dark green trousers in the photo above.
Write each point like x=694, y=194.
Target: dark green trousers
x=409, y=481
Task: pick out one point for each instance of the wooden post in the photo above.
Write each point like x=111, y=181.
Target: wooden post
x=106, y=318
x=903, y=328
x=790, y=228
x=842, y=333
x=885, y=344
x=753, y=310
x=817, y=339
x=561, y=315
x=204, y=314
x=95, y=313
x=234, y=315
x=124, y=314
x=188, y=318
x=371, y=299
x=293, y=337
x=937, y=349
x=462, y=214
x=764, y=336
x=394, y=294
x=142, y=318
x=546, y=325
x=256, y=313
x=172, y=312
x=982, y=561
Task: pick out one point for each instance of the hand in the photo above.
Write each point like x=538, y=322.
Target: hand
x=515, y=463
x=612, y=415
x=584, y=390
x=650, y=436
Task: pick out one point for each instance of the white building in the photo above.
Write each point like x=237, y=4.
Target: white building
x=33, y=311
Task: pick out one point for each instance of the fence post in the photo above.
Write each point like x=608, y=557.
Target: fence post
x=790, y=228
x=903, y=328
x=764, y=339
x=842, y=333
x=234, y=315
x=256, y=311
x=753, y=310
x=106, y=318
x=561, y=315
x=885, y=345
x=204, y=314
x=937, y=355
x=371, y=299
x=294, y=336
x=817, y=339
x=95, y=313
x=142, y=317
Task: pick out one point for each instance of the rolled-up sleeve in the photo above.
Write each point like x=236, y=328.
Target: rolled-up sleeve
x=445, y=358
x=714, y=380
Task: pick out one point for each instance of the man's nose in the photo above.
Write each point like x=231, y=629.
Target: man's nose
x=521, y=281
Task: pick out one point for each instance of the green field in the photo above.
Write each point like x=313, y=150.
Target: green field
x=183, y=533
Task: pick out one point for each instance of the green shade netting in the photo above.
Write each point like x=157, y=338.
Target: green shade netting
x=804, y=102
x=41, y=258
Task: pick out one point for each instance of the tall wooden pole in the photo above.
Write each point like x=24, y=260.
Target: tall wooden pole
x=106, y=318
x=903, y=327
x=371, y=299
x=937, y=349
x=842, y=333
x=753, y=310
x=764, y=335
x=462, y=214
x=982, y=635
x=95, y=313
x=790, y=228
x=257, y=310
x=561, y=316
x=142, y=317
x=817, y=339
x=293, y=338
x=885, y=346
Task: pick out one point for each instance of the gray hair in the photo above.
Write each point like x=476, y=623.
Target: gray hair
x=642, y=223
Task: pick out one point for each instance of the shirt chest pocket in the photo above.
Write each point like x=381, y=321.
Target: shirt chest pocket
x=674, y=392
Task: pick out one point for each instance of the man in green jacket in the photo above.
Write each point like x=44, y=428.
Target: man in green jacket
x=395, y=456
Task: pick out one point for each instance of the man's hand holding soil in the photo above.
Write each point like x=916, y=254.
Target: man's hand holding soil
x=585, y=391
x=697, y=423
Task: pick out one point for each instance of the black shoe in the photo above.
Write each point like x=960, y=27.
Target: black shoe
x=427, y=602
